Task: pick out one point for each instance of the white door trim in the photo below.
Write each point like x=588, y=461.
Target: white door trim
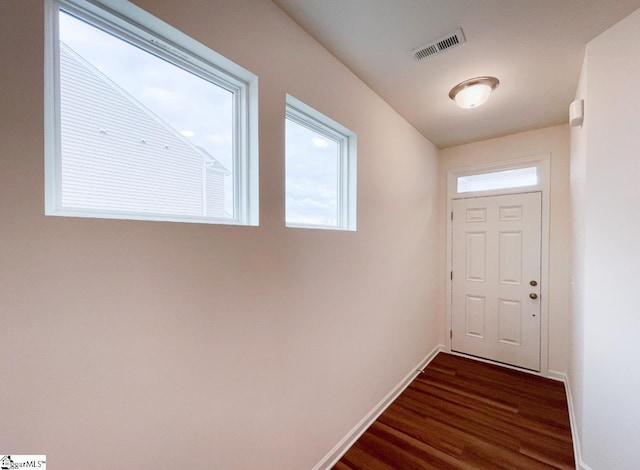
x=543, y=163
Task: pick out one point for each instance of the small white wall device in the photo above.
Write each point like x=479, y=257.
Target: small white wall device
x=576, y=113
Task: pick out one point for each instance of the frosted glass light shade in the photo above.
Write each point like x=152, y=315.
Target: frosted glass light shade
x=473, y=96
x=473, y=92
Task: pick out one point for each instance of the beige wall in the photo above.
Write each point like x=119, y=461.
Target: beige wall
x=168, y=345
x=605, y=190
x=552, y=140
x=578, y=166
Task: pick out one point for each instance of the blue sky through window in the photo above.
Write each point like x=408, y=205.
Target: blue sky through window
x=311, y=176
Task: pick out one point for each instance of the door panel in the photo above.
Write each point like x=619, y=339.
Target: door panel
x=476, y=256
x=510, y=253
x=496, y=254
x=509, y=321
x=475, y=314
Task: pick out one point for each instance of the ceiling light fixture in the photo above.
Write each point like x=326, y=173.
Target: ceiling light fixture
x=473, y=92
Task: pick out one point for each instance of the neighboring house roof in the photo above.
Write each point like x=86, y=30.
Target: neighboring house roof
x=112, y=139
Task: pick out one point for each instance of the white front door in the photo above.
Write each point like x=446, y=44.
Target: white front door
x=495, y=289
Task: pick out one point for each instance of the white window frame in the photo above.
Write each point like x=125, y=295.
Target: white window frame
x=308, y=117
x=140, y=27
x=543, y=164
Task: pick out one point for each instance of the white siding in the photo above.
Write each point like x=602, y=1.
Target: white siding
x=215, y=193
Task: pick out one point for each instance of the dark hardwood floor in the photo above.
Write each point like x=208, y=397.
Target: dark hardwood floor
x=465, y=414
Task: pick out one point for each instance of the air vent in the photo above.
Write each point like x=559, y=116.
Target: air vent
x=440, y=45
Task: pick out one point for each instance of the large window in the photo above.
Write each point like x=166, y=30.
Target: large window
x=320, y=170
x=143, y=125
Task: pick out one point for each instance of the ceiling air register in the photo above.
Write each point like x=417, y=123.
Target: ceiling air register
x=440, y=45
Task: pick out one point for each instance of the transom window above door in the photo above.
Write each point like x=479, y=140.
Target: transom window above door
x=516, y=178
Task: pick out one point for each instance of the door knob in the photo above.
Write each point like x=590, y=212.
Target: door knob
x=533, y=296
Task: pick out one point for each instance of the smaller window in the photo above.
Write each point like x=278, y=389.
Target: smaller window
x=517, y=178
x=320, y=170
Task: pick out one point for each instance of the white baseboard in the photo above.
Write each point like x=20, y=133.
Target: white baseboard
x=577, y=450
x=358, y=430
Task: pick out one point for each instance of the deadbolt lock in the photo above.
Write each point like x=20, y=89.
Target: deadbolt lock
x=533, y=283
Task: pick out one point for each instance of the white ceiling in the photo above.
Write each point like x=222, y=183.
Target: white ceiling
x=534, y=47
